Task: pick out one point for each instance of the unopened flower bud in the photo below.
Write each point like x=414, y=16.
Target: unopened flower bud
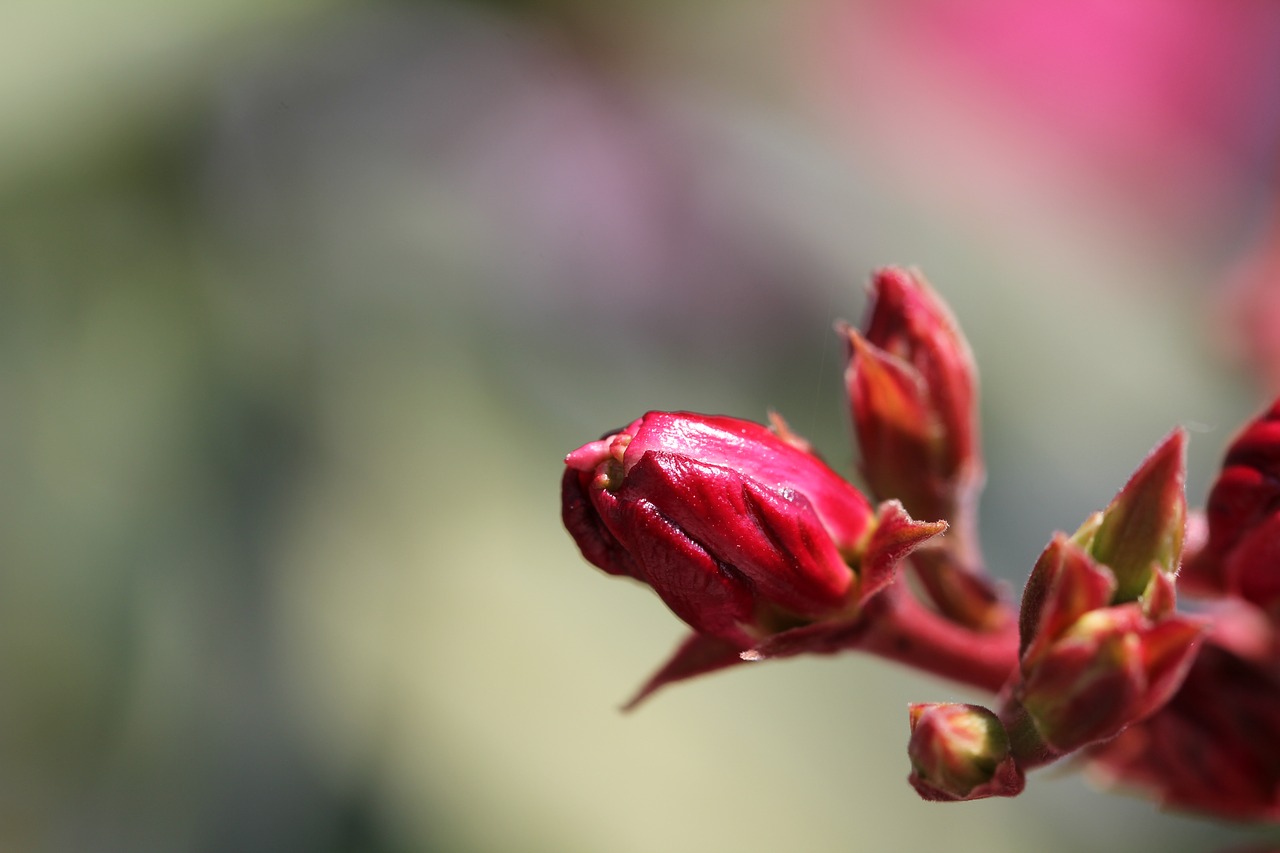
x=1088, y=669
x=960, y=752
x=741, y=531
x=912, y=388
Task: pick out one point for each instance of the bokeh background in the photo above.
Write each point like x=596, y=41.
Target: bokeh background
x=302, y=303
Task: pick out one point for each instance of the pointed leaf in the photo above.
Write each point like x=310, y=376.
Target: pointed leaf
x=697, y=654
x=896, y=535
x=1168, y=649
x=1161, y=595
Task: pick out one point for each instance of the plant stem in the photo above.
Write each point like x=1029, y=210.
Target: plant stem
x=899, y=628
x=952, y=573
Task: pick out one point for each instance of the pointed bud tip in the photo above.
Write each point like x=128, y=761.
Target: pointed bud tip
x=697, y=654
x=1145, y=522
x=1161, y=595
x=893, y=283
x=859, y=346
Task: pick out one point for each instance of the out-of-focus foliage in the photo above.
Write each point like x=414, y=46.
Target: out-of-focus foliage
x=302, y=304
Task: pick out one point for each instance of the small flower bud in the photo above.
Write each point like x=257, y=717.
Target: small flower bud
x=1064, y=585
x=1090, y=670
x=912, y=388
x=960, y=752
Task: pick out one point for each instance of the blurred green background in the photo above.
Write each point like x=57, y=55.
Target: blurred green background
x=302, y=304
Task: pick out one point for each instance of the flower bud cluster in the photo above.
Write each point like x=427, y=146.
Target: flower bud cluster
x=764, y=551
x=1215, y=746
x=1100, y=646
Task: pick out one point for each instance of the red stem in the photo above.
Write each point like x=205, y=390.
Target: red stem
x=899, y=628
x=1028, y=747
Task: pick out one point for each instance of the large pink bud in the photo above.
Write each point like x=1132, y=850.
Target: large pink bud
x=741, y=530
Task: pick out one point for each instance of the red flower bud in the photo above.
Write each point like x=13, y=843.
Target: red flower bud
x=1214, y=748
x=1113, y=668
x=1090, y=670
x=960, y=752
x=1242, y=555
x=912, y=387
x=1064, y=585
x=741, y=531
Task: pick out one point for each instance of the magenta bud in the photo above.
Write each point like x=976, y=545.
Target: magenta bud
x=960, y=752
x=1241, y=556
x=743, y=532
x=912, y=389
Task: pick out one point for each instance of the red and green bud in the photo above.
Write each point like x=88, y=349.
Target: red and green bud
x=1142, y=529
x=960, y=752
x=1064, y=585
x=742, y=531
x=912, y=388
x=1129, y=551
x=1242, y=554
x=1112, y=668
x=1090, y=669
